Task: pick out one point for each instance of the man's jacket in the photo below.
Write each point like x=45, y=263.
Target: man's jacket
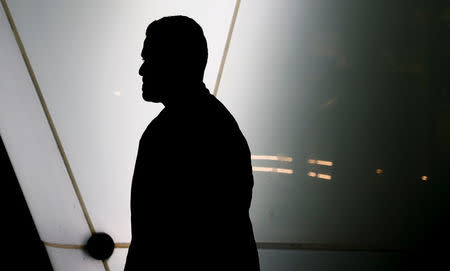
x=191, y=191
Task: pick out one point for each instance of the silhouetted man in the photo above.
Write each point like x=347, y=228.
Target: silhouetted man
x=192, y=184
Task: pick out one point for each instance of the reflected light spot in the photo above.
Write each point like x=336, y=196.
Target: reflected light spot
x=328, y=103
x=117, y=93
x=312, y=174
x=424, y=178
x=272, y=158
x=324, y=176
x=379, y=171
x=274, y=170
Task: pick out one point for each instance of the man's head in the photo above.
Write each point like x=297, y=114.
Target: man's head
x=175, y=55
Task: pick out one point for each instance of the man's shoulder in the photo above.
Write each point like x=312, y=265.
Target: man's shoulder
x=220, y=112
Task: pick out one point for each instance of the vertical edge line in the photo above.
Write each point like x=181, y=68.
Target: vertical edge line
x=227, y=45
x=47, y=114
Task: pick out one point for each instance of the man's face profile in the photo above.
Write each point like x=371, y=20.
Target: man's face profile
x=153, y=73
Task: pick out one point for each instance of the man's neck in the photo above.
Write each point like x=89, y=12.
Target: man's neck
x=185, y=94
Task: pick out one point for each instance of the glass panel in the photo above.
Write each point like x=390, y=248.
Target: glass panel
x=33, y=152
x=352, y=93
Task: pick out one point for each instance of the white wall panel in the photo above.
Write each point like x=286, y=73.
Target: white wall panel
x=33, y=152
x=73, y=260
x=117, y=260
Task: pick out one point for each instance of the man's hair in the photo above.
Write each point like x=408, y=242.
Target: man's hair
x=182, y=39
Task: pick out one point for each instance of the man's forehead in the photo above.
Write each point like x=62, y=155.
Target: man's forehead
x=153, y=48
x=146, y=47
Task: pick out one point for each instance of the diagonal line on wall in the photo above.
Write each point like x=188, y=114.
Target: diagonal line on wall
x=47, y=113
x=49, y=118
x=227, y=46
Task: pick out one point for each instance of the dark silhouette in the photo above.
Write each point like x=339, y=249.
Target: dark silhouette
x=192, y=184
x=25, y=249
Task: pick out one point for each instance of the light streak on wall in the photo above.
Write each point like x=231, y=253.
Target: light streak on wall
x=319, y=175
x=320, y=162
x=272, y=158
x=274, y=170
x=324, y=176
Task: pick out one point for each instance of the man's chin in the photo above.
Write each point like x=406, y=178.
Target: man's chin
x=150, y=98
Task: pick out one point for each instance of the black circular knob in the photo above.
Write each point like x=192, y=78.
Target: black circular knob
x=100, y=246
